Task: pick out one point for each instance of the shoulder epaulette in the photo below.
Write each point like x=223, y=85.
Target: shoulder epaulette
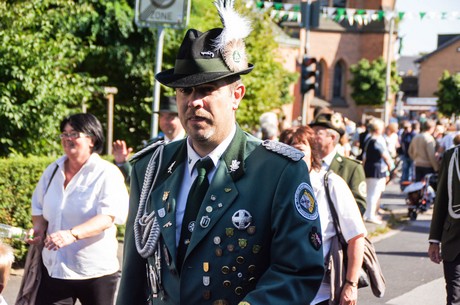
x=146, y=150
x=355, y=160
x=283, y=149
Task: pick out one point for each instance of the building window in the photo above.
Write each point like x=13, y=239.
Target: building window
x=334, y=3
x=338, y=81
x=338, y=85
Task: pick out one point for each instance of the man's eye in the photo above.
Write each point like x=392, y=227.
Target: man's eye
x=186, y=90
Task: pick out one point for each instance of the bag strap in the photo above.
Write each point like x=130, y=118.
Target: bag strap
x=51, y=179
x=335, y=217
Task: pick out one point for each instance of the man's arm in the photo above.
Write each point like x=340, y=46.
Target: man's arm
x=133, y=283
x=297, y=268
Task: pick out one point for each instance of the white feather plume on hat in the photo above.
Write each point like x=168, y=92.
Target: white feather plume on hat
x=230, y=41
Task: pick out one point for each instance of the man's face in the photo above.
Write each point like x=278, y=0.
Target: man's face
x=324, y=139
x=170, y=124
x=207, y=111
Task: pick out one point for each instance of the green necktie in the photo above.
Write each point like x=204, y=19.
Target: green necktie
x=194, y=199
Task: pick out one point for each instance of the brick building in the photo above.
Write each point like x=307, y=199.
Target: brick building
x=432, y=65
x=336, y=46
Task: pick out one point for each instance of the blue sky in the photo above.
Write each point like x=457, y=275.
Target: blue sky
x=421, y=35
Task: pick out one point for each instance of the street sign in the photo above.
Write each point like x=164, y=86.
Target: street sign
x=165, y=13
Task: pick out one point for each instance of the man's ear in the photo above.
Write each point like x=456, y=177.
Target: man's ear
x=238, y=94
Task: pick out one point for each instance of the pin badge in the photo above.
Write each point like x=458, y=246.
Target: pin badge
x=242, y=242
x=216, y=240
x=242, y=219
x=227, y=189
x=213, y=198
x=206, y=280
x=219, y=205
x=234, y=166
x=162, y=212
x=205, y=221
x=209, y=209
x=251, y=230
x=165, y=195
x=229, y=232
x=191, y=226
x=205, y=266
x=315, y=238
x=218, y=252
x=167, y=225
x=170, y=168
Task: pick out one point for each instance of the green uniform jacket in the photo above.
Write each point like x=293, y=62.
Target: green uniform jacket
x=276, y=260
x=352, y=172
x=444, y=227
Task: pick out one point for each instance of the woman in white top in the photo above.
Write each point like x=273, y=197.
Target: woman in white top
x=352, y=225
x=75, y=207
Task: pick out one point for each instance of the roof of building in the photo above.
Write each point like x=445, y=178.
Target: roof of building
x=440, y=48
x=406, y=65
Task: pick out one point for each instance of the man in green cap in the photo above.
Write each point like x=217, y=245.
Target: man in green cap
x=329, y=127
x=246, y=230
x=170, y=127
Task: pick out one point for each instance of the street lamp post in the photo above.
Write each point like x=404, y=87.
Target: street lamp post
x=386, y=109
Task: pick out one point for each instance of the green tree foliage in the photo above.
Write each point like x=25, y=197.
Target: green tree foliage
x=38, y=80
x=59, y=54
x=368, y=81
x=449, y=94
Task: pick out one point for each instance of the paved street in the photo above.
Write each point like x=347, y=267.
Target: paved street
x=411, y=278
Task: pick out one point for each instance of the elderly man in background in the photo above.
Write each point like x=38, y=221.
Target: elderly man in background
x=422, y=150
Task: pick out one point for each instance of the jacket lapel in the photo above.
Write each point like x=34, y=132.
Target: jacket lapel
x=168, y=190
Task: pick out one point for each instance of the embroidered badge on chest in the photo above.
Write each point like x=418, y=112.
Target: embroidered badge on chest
x=305, y=203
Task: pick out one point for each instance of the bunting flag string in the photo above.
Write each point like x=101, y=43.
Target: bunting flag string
x=291, y=12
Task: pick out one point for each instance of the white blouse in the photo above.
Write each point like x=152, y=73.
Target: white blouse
x=98, y=188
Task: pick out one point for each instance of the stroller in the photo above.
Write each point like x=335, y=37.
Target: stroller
x=420, y=195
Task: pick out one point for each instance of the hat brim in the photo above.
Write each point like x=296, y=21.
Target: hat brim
x=169, y=79
x=329, y=126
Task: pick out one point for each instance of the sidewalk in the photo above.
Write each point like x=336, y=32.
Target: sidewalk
x=392, y=202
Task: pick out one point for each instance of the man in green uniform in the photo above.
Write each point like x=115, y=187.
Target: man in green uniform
x=254, y=238
x=170, y=126
x=444, y=235
x=329, y=128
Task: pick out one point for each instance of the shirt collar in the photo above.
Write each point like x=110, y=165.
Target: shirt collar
x=180, y=136
x=193, y=157
x=327, y=160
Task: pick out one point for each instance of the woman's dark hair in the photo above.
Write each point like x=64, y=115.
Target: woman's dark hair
x=303, y=135
x=89, y=124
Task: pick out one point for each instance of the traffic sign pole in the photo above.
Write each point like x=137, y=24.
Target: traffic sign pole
x=160, y=14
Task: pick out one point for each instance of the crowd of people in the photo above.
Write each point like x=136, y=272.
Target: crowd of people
x=217, y=215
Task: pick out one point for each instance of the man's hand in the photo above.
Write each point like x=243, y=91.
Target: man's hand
x=120, y=151
x=434, y=253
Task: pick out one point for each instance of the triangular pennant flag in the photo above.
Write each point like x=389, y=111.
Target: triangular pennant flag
x=371, y=15
x=288, y=6
x=401, y=15
x=359, y=19
x=389, y=15
x=330, y=12
x=422, y=15
x=350, y=15
x=260, y=4
x=380, y=15
x=340, y=14
x=277, y=6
